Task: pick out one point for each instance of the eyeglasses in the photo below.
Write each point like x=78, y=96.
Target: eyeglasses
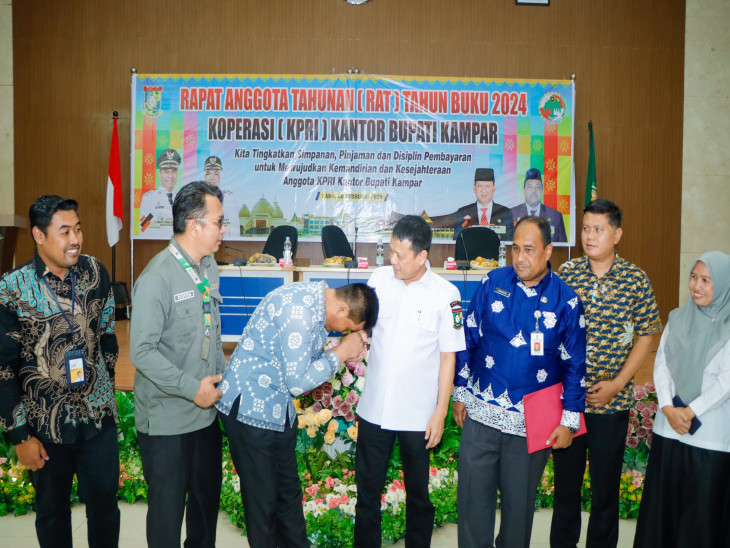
x=216, y=222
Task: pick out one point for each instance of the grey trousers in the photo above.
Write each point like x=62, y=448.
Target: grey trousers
x=489, y=461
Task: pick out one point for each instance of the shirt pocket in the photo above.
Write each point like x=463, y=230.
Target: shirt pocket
x=424, y=322
x=188, y=317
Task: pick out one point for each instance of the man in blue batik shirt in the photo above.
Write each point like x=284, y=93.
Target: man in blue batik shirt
x=280, y=356
x=511, y=310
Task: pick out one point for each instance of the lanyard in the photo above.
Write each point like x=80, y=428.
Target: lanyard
x=203, y=286
x=73, y=301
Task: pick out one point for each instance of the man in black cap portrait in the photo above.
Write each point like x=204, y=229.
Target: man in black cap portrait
x=533, y=206
x=213, y=171
x=485, y=212
x=158, y=202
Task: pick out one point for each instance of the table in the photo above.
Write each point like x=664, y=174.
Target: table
x=243, y=288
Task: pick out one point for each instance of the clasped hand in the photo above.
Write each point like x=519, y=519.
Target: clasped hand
x=680, y=418
x=353, y=347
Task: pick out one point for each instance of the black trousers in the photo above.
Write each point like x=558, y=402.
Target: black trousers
x=271, y=491
x=96, y=464
x=686, y=498
x=184, y=475
x=489, y=461
x=605, y=442
x=374, y=446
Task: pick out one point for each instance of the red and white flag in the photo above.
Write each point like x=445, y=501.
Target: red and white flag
x=114, y=192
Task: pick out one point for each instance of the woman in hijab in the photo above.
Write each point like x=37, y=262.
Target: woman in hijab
x=686, y=499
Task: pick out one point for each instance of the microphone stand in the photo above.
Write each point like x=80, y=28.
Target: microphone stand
x=353, y=262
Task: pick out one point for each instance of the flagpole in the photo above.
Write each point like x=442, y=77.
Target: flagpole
x=115, y=114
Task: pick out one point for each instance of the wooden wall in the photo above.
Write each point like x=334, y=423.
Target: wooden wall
x=72, y=61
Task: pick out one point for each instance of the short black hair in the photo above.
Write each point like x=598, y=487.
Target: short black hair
x=416, y=230
x=363, y=303
x=605, y=207
x=190, y=203
x=542, y=224
x=44, y=208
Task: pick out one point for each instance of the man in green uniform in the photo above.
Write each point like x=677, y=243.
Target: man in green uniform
x=175, y=344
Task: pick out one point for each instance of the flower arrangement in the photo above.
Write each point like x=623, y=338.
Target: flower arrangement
x=333, y=499
x=16, y=492
x=641, y=423
x=327, y=413
x=328, y=480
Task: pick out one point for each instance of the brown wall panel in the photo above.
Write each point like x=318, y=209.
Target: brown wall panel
x=72, y=63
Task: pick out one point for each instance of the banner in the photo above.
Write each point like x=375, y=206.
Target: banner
x=356, y=151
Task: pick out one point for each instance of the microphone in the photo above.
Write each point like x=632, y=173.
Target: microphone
x=237, y=262
x=353, y=262
x=465, y=265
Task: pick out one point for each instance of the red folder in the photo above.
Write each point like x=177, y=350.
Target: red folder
x=543, y=411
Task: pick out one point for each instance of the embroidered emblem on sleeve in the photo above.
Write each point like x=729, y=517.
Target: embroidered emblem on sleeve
x=456, y=313
x=470, y=321
x=563, y=352
x=518, y=340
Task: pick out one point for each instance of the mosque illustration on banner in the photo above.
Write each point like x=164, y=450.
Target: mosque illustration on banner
x=264, y=216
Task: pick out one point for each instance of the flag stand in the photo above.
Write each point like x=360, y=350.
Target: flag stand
x=119, y=289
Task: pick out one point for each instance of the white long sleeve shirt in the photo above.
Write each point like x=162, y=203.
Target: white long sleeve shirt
x=712, y=406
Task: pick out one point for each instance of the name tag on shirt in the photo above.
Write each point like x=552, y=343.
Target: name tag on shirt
x=537, y=343
x=184, y=296
x=75, y=367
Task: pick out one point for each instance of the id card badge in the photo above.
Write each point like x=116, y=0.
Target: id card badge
x=75, y=367
x=537, y=343
x=206, y=347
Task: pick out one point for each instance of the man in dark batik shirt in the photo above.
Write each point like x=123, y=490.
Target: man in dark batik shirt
x=57, y=356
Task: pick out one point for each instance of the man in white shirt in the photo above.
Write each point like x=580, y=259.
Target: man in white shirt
x=409, y=381
x=155, y=210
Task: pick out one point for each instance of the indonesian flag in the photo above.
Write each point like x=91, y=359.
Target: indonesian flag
x=114, y=192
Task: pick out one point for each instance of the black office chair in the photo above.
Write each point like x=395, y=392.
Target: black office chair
x=334, y=242
x=477, y=241
x=274, y=245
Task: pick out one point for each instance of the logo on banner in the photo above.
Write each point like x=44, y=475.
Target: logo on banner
x=152, y=100
x=552, y=107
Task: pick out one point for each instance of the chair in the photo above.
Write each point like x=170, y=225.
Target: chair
x=477, y=241
x=334, y=242
x=274, y=245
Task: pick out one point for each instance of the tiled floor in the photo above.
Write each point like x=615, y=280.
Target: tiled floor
x=19, y=532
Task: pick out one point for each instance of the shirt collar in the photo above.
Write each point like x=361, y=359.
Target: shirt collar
x=546, y=279
x=41, y=269
x=613, y=269
x=190, y=261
